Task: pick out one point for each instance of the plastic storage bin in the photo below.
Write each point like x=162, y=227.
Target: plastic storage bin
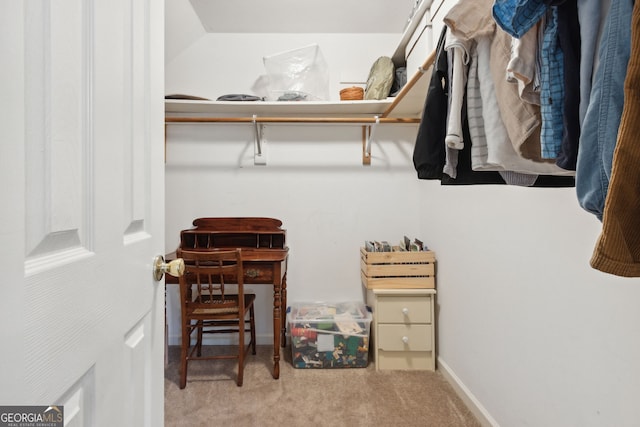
x=329, y=335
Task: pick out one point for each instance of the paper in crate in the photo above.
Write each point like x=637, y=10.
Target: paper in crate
x=329, y=335
x=398, y=269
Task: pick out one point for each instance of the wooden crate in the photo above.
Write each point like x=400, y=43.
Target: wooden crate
x=398, y=269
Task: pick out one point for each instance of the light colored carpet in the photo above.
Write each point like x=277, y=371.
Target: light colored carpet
x=308, y=397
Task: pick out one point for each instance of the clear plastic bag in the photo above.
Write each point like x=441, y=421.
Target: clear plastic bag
x=298, y=75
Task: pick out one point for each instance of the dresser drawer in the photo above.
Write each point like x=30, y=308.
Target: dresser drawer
x=398, y=337
x=414, y=360
x=404, y=309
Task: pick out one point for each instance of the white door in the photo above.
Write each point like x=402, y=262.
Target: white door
x=82, y=214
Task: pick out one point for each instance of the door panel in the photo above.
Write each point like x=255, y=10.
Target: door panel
x=80, y=313
x=79, y=409
x=56, y=132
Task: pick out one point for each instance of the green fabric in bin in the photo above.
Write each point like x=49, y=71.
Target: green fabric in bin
x=352, y=345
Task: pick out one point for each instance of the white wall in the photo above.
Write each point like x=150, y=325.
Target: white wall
x=537, y=336
x=530, y=331
x=182, y=27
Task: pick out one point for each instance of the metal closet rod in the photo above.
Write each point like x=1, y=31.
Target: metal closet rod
x=290, y=120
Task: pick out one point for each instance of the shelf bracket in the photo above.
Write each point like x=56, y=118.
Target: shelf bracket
x=367, y=140
x=259, y=153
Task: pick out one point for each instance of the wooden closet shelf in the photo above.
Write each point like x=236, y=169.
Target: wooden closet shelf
x=406, y=107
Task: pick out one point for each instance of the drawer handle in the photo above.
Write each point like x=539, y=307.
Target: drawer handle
x=405, y=311
x=252, y=273
x=405, y=340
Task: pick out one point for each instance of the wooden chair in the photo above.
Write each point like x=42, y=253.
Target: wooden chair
x=210, y=304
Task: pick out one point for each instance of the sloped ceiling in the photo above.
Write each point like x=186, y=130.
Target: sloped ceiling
x=303, y=16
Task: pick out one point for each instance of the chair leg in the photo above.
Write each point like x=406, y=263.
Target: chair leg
x=199, y=343
x=252, y=323
x=241, y=350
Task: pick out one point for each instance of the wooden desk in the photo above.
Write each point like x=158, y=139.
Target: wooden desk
x=264, y=256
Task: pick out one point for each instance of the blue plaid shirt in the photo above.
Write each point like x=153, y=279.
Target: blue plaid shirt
x=551, y=89
x=516, y=17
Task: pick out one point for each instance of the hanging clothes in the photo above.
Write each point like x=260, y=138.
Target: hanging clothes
x=428, y=152
x=618, y=248
x=502, y=126
x=551, y=87
x=569, y=43
x=602, y=119
x=523, y=119
x=429, y=149
x=517, y=17
x=523, y=68
x=591, y=16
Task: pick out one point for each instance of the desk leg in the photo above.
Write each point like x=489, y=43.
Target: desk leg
x=283, y=327
x=277, y=322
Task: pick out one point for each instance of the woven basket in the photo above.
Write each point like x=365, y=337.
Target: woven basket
x=352, y=94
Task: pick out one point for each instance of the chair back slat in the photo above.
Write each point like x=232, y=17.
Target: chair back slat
x=203, y=286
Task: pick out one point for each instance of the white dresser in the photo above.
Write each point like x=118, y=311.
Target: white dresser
x=403, y=333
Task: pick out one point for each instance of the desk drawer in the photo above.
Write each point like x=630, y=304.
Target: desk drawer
x=404, y=337
x=256, y=272
x=252, y=274
x=404, y=309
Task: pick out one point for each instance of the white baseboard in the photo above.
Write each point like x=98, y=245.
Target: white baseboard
x=474, y=405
